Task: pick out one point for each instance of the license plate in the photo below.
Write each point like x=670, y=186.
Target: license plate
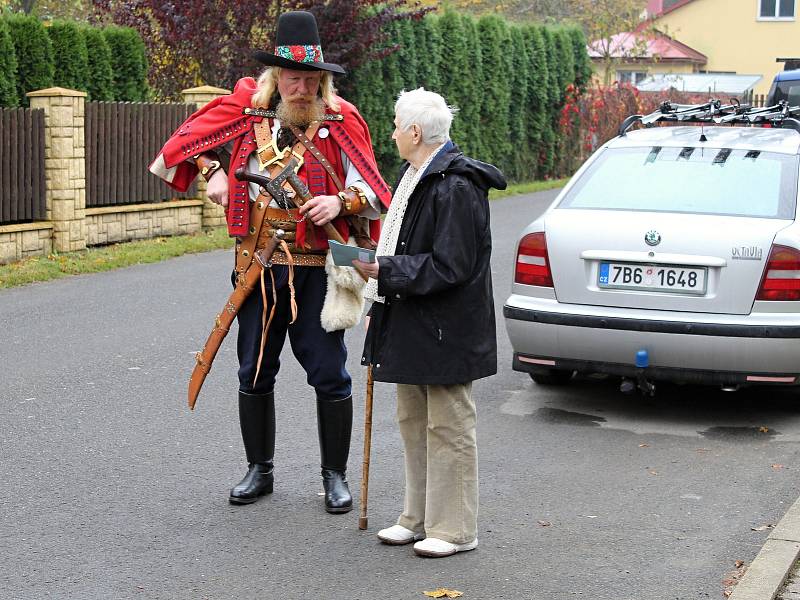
x=657, y=278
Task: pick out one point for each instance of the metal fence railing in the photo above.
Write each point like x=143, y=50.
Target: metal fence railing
x=22, y=175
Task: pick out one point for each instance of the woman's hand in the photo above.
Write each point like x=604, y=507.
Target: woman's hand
x=368, y=268
x=218, y=188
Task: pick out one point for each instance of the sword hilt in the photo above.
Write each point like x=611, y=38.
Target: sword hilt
x=245, y=175
x=271, y=186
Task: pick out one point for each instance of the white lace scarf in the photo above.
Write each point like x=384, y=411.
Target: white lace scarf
x=387, y=245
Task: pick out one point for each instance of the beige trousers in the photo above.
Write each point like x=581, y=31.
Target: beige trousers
x=437, y=423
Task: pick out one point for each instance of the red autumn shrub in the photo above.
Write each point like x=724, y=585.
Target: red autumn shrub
x=592, y=116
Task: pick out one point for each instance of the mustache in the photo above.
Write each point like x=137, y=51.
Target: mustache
x=299, y=98
x=300, y=114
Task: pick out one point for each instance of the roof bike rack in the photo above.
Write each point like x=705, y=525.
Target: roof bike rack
x=714, y=112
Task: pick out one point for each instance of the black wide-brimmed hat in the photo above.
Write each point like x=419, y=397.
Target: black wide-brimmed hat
x=297, y=45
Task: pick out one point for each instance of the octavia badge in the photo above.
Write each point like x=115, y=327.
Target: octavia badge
x=652, y=238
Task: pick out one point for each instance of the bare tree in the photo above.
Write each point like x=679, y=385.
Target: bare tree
x=604, y=19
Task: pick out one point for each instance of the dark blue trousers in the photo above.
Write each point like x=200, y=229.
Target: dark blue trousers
x=321, y=354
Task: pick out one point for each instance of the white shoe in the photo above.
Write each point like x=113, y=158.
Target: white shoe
x=397, y=535
x=435, y=548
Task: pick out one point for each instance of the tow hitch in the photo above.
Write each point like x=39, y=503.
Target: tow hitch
x=645, y=387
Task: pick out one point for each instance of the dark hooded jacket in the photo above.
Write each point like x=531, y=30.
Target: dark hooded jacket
x=437, y=325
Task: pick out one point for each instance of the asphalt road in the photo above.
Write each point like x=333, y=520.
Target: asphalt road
x=112, y=489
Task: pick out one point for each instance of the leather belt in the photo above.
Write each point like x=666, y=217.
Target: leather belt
x=278, y=218
x=299, y=260
x=283, y=219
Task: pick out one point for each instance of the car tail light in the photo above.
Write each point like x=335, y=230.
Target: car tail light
x=781, y=279
x=533, y=266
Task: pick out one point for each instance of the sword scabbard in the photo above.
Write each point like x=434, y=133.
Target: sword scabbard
x=245, y=283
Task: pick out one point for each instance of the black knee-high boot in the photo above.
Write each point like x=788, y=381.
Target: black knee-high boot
x=335, y=421
x=257, y=420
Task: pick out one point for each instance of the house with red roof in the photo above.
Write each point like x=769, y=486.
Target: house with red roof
x=737, y=41
x=637, y=54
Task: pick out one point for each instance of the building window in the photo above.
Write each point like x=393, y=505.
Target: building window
x=631, y=77
x=776, y=9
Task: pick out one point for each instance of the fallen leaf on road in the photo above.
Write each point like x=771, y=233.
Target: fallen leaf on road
x=653, y=472
x=777, y=467
x=732, y=578
x=444, y=593
x=544, y=523
x=644, y=445
x=702, y=450
x=763, y=429
x=763, y=527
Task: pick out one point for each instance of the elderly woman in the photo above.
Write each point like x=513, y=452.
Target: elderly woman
x=432, y=327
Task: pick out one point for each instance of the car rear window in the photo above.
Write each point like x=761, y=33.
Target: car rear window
x=717, y=181
x=789, y=91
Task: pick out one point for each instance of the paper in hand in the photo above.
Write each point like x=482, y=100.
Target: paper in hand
x=344, y=255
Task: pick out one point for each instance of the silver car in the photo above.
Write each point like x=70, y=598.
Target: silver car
x=673, y=254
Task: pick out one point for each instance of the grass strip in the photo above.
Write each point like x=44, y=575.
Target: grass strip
x=115, y=256
x=528, y=188
x=106, y=258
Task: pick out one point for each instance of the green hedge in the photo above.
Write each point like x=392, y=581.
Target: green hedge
x=455, y=72
x=508, y=81
x=101, y=76
x=70, y=57
x=583, y=64
x=128, y=62
x=8, y=68
x=65, y=54
x=494, y=119
x=34, y=54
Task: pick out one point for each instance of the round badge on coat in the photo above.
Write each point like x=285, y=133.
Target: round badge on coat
x=323, y=133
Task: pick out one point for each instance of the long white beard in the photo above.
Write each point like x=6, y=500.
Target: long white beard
x=300, y=116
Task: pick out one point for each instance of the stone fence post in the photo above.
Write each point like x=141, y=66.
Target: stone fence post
x=64, y=163
x=213, y=214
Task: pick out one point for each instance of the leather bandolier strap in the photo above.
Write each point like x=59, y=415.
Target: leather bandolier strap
x=359, y=226
x=305, y=140
x=261, y=213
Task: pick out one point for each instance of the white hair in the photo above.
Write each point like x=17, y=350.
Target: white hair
x=429, y=111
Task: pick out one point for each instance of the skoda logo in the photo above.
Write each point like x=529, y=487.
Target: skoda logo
x=652, y=238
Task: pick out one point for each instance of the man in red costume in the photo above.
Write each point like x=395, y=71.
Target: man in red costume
x=292, y=105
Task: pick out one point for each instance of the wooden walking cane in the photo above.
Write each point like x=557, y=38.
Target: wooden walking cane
x=362, y=519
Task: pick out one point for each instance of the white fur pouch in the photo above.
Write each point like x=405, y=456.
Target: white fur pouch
x=344, y=300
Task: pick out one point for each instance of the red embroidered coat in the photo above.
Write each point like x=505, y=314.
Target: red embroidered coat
x=223, y=120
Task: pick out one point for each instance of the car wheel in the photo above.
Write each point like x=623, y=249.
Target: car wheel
x=552, y=377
